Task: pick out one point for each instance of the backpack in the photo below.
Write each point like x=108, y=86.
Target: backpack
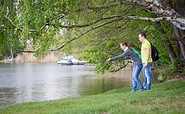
x=155, y=52
x=135, y=51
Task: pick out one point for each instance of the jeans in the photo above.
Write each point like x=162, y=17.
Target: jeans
x=135, y=77
x=147, y=76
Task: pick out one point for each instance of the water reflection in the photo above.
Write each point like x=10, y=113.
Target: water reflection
x=100, y=85
x=39, y=82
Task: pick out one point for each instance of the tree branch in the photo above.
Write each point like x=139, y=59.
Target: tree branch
x=92, y=23
x=176, y=20
x=6, y=16
x=118, y=17
x=116, y=70
x=157, y=7
x=85, y=32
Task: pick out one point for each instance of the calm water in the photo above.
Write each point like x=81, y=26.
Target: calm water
x=39, y=82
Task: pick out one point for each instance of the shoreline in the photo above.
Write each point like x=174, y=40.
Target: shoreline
x=156, y=100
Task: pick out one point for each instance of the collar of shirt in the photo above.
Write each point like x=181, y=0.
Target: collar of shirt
x=144, y=41
x=126, y=49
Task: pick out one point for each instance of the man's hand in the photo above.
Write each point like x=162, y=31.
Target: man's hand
x=145, y=64
x=108, y=59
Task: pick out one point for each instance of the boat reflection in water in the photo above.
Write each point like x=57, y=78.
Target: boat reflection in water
x=70, y=60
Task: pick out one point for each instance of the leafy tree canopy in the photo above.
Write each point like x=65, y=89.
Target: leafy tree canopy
x=93, y=29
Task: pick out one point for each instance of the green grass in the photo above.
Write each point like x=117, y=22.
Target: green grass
x=163, y=98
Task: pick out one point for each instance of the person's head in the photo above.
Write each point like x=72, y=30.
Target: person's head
x=123, y=45
x=142, y=36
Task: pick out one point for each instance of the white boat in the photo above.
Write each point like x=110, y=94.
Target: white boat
x=78, y=62
x=65, y=62
x=70, y=60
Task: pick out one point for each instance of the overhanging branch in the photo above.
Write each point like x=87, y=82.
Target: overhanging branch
x=85, y=32
x=160, y=8
x=92, y=23
x=173, y=20
x=118, y=17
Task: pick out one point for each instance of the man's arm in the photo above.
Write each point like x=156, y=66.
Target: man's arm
x=148, y=56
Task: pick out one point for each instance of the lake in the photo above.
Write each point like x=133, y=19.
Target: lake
x=30, y=82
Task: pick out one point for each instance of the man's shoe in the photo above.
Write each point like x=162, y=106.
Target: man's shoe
x=147, y=88
x=141, y=90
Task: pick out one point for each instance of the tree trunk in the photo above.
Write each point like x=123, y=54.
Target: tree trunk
x=179, y=7
x=171, y=52
x=167, y=43
x=180, y=45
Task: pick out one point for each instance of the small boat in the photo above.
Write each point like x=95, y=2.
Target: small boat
x=78, y=62
x=65, y=62
x=70, y=60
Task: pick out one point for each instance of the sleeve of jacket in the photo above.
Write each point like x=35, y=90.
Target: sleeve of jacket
x=119, y=56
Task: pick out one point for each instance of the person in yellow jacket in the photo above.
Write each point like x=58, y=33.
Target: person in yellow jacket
x=146, y=61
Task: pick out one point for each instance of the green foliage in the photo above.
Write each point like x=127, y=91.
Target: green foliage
x=91, y=29
x=165, y=71
x=1, y=42
x=157, y=39
x=9, y=36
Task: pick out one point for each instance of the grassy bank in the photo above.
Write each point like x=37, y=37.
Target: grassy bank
x=167, y=97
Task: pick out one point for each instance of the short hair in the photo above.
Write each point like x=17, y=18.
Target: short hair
x=143, y=34
x=124, y=43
